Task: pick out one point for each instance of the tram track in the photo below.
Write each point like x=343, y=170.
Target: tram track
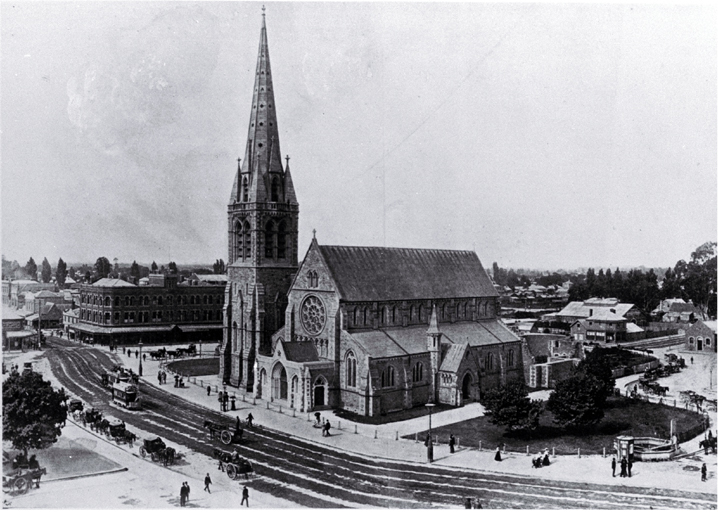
x=351, y=478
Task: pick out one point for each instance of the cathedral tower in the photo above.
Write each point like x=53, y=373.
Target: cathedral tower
x=263, y=222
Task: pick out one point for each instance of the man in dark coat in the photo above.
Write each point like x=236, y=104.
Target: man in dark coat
x=250, y=419
x=497, y=457
x=624, y=467
x=704, y=472
x=613, y=466
x=183, y=495
x=207, y=482
x=245, y=496
x=630, y=465
x=452, y=443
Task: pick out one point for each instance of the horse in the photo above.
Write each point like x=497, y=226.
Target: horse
x=167, y=456
x=103, y=426
x=709, y=443
x=129, y=438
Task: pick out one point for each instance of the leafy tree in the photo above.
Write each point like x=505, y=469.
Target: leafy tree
x=72, y=272
x=33, y=412
x=154, y=267
x=88, y=276
x=577, y=401
x=511, y=406
x=219, y=267
x=135, y=271
x=597, y=364
x=671, y=285
x=61, y=272
x=172, y=267
x=31, y=268
x=46, y=271
x=103, y=267
x=6, y=268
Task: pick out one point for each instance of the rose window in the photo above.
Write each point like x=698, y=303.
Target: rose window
x=313, y=315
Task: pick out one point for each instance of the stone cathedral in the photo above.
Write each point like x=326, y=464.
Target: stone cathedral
x=366, y=329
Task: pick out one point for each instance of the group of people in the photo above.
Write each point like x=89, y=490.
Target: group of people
x=325, y=425
x=179, y=381
x=626, y=466
x=184, y=494
x=469, y=503
x=162, y=377
x=541, y=459
x=223, y=399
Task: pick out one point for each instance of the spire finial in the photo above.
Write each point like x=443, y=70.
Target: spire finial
x=263, y=9
x=314, y=234
x=287, y=159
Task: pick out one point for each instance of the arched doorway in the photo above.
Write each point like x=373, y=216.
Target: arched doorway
x=279, y=382
x=466, y=388
x=320, y=386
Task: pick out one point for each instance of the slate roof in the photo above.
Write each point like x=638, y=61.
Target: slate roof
x=453, y=357
x=388, y=273
x=400, y=341
x=107, y=283
x=583, y=309
x=44, y=294
x=300, y=351
x=605, y=315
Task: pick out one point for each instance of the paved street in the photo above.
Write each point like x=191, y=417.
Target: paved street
x=354, y=470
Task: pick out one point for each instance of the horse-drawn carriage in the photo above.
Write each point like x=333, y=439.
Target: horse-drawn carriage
x=227, y=434
x=118, y=433
x=20, y=481
x=233, y=464
x=158, y=451
x=75, y=407
x=184, y=352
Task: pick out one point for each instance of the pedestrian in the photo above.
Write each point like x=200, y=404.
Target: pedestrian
x=159, y=377
x=245, y=496
x=467, y=503
x=452, y=443
x=428, y=440
x=209, y=389
x=164, y=377
x=250, y=419
x=129, y=353
x=207, y=481
x=704, y=472
x=219, y=399
x=225, y=401
x=546, y=461
x=176, y=380
x=624, y=467
x=613, y=466
x=317, y=418
x=691, y=359
x=630, y=465
x=144, y=357
x=183, y=495
x=137, y=354
x=477, y=503
x=124, y=349
x=187, y=485
x=497, y=457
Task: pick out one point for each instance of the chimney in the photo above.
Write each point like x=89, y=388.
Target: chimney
x=590, y=312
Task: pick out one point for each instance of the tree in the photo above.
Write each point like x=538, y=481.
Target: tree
x=31, y=268
x=154, y=267
x=46, y=271
x=103, y=267
x=172, y=267
x=577, y=401
x=511, y=406
x=219, y=268
x=597, y=364
x=61, y=272
x=135, y=272
x=33, y=412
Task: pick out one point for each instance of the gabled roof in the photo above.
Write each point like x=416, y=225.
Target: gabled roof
x=605, y=315
x=388, y=273
x=44, y=294
x=454, y=356
x=300, y=351
x=112, y=283
x=583, y=309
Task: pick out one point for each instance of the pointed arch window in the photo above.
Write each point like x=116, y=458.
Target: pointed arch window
x=351, y=370
x=510, y=359
x=247, y=240
x=387, y=377
x=366, y=315
x=393, y=315
x=275, y=190
x=354, y=316
x=282, y=240
x=269, y=239
x=489, y=362
x=411, y=313
x=245, y=190
x=418, y=372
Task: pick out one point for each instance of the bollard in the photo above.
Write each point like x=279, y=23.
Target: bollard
x=339, y=425
x=527, y=450
x=458, y=443
x=308, y=418
x=397, y=435
x=674, y=402
x=479, y=445
x=604, y=452
x=244, y=398
x=280, y=409
x=553, y=451
x=201, y=383
x=294, y=415
x=416, y=437
x=254, y=401
x=374, y=433
x=267, y=405
x=579, y=453
x=355, y=429
x=504, y=450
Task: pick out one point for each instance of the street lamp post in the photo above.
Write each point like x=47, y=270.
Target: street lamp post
x=430, y=443
x=200, y=349
x=140, y=357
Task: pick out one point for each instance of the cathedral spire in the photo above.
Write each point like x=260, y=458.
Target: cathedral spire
x=261, y=154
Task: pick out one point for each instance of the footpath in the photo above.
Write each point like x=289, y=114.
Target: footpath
x=386, y=442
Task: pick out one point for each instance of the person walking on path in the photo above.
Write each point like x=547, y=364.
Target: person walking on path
x=245, y=496
x=183, y=495
x=630, y=465
x=704, y=472
x=207, y=482
x=250, y=419
x=452, y=443
x=497, y=457
x=613, y=466
x=209, y=389
x=467, y=503
x=624, y=467
x=186, y=484
x=159, y=377
x=325, y=430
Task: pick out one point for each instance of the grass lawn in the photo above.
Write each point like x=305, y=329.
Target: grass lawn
x=622, y=417
x=196, y=367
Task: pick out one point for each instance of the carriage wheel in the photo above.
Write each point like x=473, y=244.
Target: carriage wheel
x=22, y=485
x=225, y=437
x=143, y=452
x=231, y=471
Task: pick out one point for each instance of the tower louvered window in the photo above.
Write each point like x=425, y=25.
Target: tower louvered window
x=269, y=234
x=282, y=240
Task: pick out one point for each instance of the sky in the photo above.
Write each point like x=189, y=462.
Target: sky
x=548, y=136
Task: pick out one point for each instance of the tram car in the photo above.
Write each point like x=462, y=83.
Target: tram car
x=126, y=395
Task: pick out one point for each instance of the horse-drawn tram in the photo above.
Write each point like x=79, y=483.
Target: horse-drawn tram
x=126, y=395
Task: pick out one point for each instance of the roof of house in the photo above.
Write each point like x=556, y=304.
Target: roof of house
x=210, y=277
x=300, y=351
x=44, y=294
x=387, y=273
x=711, y=324
x=631, y=328
x=400, y=341
x=112, y=283
x=605, y=315
x=583, y=309
x=72, y=312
